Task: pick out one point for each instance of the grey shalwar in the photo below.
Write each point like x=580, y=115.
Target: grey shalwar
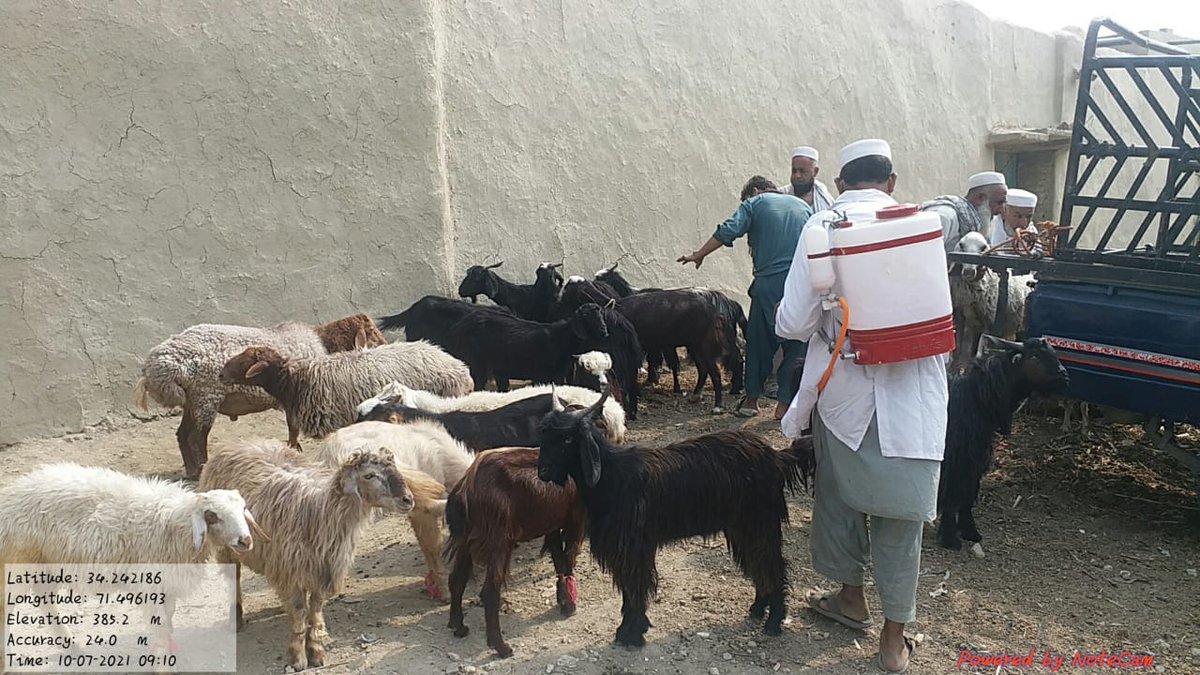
x=899, y=495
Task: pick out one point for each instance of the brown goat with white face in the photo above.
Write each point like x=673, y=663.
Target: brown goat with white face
x=315, y=516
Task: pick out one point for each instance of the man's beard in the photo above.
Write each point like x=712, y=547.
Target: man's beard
x=800, y=189
x=984, y=211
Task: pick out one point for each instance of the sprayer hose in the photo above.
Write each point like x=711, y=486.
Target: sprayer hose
x=837, y=347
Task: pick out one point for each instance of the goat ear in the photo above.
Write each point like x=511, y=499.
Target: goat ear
x=255, y=368
x=349, y=485
x=589, y=461
x=360, y=339
x=199, y=529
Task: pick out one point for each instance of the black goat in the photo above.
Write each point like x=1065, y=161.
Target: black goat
x=731, y=316
x=515, y=424
x=640, y=499
x=665, y=320
x=626, y=353
x=982, y=403
x=507, y=347
x=533, y=302
x=431, y=318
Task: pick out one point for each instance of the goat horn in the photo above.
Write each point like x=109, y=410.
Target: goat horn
x=254, y=527
x=598, y=406
x=494, y=265
x=613, y=266
x=556, y=403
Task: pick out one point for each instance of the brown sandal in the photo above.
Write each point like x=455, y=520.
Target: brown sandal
x=911, y=647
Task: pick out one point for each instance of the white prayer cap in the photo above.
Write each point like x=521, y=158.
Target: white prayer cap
x=1021, y=198
x=985, y=178
x=806, y=151
x=864, y=148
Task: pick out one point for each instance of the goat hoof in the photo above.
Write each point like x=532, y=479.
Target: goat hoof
x=502, y=650
x=954, y=544
x=316, y=656
x=567, y=609
x=461, y=631
x=772, y=630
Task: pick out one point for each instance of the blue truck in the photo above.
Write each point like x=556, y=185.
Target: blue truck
x=1119, y=295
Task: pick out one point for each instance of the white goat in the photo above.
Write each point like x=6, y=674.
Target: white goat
x=974, y=293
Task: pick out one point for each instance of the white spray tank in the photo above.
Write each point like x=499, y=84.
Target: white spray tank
x=891, y=271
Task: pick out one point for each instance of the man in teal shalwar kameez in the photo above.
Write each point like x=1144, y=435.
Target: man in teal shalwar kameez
x=772, y=222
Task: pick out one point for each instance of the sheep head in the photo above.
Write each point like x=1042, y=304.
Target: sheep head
x=392, y=391
x=972, y=242
x=569, y=443
x=247, y=367
x=372, y=476
x=350, y=333
x=221, y=518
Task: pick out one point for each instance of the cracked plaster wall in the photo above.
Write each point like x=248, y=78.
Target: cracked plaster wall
x=173, y=163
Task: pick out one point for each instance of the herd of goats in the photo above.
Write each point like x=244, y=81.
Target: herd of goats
x=409, y=427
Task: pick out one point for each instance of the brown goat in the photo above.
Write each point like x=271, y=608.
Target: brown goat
x=353, y=332
x=499, y=503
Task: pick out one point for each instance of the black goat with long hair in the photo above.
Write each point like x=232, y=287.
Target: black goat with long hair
x=731, y=317
x=982, y=403
x=639, y=499
x=498, y=504
x=533, y=301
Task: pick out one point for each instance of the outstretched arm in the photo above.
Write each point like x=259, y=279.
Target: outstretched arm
x=736, y=226
x=698, y=256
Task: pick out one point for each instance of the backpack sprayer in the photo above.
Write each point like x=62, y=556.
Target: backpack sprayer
x=892, y=269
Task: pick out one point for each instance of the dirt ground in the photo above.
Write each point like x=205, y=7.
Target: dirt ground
x=1092, y=544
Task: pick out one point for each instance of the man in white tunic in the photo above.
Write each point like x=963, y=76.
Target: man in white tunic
x=1017, y=214
x=878, y=433
x=986, y=192
x=804, y=183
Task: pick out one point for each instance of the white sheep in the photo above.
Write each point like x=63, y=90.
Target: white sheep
x=182, y=371
x=974, y=293
x=316, y=516
x=73, y=514
x=423, y=447
x=320, y=394
x=481, y=401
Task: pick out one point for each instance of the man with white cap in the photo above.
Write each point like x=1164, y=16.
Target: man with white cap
x=878, y=435
x=804, y=183
x=986, y=192
x=1016, y=215
x=771, y=223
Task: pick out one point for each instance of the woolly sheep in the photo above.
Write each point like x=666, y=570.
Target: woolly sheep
x=613, y=418
x=422, y=448
x=73, y=514
x=975, y=293
x=182, y=372
x=316, y=516
x=319, y=394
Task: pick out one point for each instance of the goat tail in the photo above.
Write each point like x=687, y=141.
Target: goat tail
x=798, y=464
x=393, y=322
x=159, y=388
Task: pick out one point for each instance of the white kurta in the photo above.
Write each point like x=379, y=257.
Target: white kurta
x=908, y=398
x=821, y=197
